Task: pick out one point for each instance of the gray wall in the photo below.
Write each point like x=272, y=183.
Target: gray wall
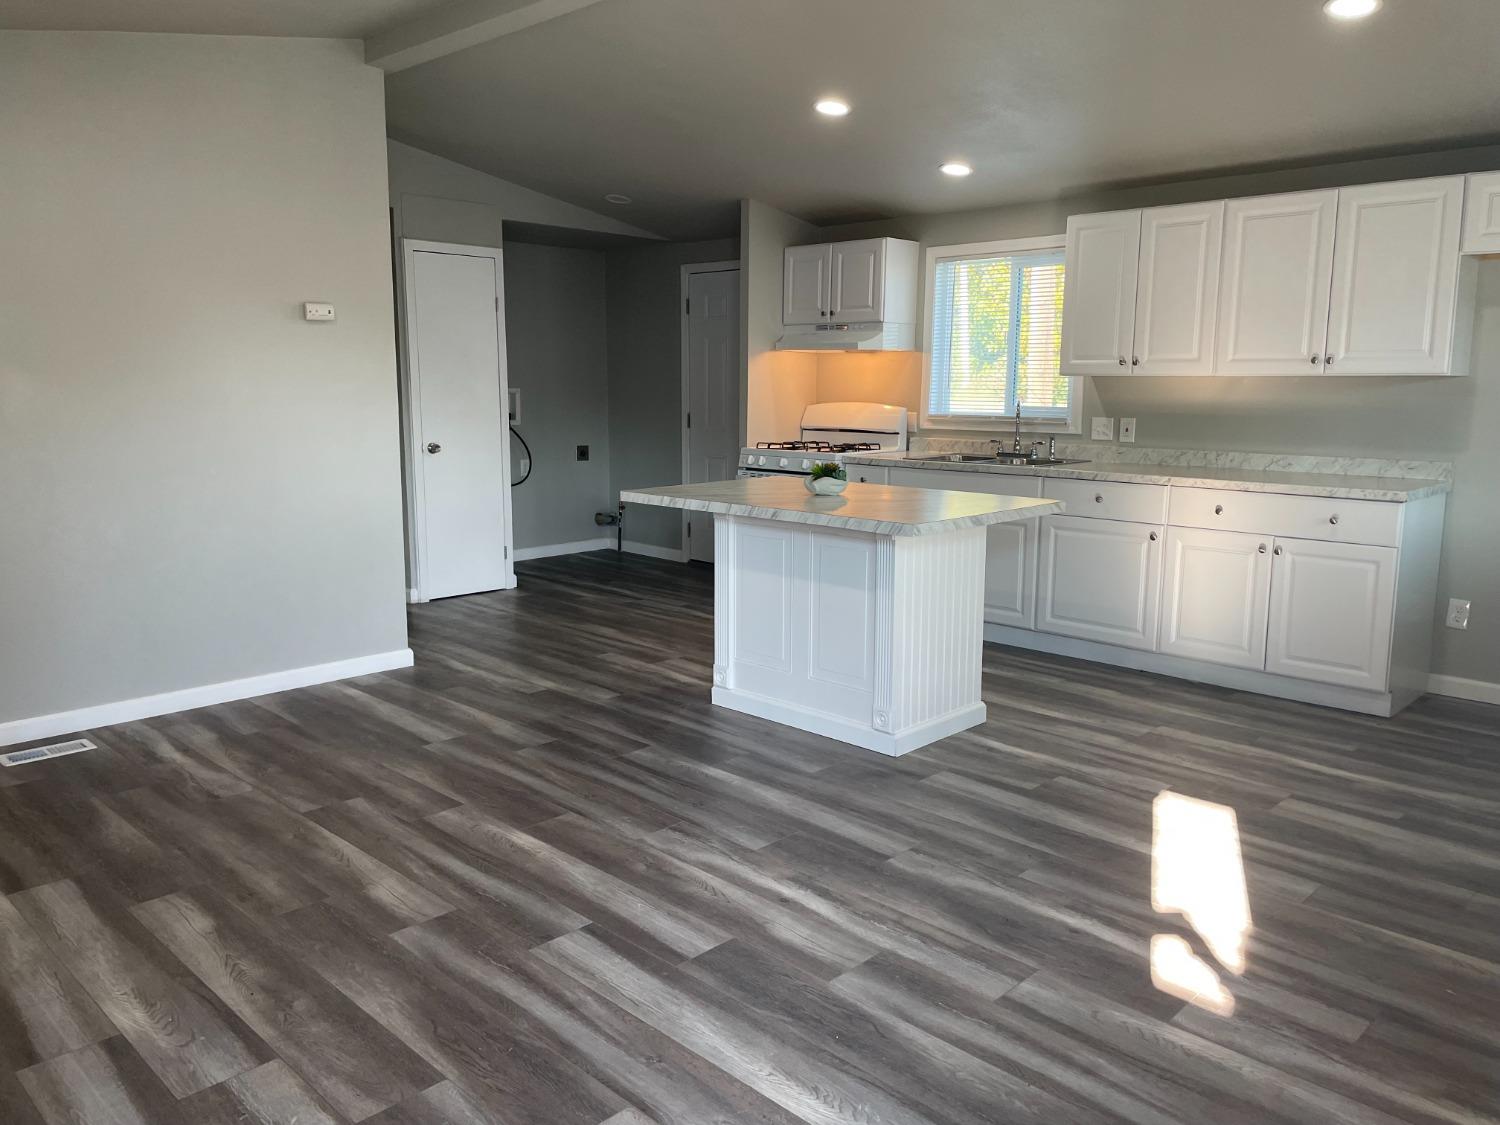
x=441, y=201
x=776, y=385
x=555, y=337
x=195, y=484
x=645, y=375
x=1426, y=419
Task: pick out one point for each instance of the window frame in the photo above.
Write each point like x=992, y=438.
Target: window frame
x=935, y=254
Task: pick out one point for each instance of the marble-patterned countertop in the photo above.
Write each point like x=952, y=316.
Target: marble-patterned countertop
x=876, y=508
x=1238, y=479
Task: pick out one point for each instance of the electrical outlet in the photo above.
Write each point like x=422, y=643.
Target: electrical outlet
x=313, y=310
x=1127, y=429
x=1103, y=429
x=583, y=453
x=1458, y=613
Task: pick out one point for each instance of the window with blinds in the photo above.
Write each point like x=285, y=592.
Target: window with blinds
x=997, y=337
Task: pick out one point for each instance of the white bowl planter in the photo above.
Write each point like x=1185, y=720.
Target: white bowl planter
x=826, y=486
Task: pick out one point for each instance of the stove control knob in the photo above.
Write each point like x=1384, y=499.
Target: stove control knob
x=760, y=460
x=783, y=462
x=807, y=464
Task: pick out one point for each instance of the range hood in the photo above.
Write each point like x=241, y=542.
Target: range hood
x=868, y=337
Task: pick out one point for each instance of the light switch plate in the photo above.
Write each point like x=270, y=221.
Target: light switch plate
x=1103, y=429
x=1127, y=429
x=316, y=310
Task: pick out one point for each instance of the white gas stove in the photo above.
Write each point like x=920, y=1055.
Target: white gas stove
x=829, y=430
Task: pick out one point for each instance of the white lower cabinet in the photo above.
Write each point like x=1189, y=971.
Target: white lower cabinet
x=1216, y=596
x=1099, y=580
x=1332, y=609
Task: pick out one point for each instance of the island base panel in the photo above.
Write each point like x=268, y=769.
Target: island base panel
x=871, y=639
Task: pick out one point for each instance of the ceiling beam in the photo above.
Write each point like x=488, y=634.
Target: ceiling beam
x=460, y=25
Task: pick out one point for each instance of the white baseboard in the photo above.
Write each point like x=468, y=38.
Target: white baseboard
x=524, y=553
x=168, y=702
x=1459, y=688
x=651, y=550
x=412, y=597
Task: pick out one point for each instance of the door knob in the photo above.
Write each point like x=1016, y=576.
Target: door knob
x=434, y=447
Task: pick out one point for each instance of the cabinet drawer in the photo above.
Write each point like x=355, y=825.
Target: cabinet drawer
x=1296, y=517
x=1110, y=500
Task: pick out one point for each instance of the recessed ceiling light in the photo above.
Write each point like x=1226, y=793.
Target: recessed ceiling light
x=616, y=197
x=1351, y=9
x=832, y=107
x=955, y=168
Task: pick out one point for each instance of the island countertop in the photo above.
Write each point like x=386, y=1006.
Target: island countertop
x=876, y=508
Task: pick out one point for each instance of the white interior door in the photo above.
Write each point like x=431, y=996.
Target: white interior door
x=713, y=392
x=1278, y=266
x=1099, y=276
x=1395, y=278
x=459, y=442
x=1217, y=595
x=1332, y=607
x=1177, y=292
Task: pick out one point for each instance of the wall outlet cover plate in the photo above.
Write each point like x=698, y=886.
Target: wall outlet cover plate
x=1127, y=429
x=1103, y=429
x=315, y=310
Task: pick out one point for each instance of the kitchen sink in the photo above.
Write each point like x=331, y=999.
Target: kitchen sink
x=1000, y=459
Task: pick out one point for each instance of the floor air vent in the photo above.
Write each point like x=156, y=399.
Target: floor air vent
x=37, y=753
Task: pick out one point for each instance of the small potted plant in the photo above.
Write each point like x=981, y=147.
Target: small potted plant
x=827, y=478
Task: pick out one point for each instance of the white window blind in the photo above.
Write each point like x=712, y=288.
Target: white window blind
x=997, y=336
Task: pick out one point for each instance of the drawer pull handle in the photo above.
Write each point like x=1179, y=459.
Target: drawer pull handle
x=1098, y=498
x=1218, y=509
x=1277, y=551
x=1262, y=548
x=1333, y=520
x=1153, y=537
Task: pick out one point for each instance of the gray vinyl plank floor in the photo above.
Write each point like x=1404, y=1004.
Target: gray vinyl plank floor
x=538, y=880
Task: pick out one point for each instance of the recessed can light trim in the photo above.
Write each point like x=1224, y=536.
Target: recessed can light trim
x=1351, y=9
x=832, y=107
x=616, y=197
x=955, y=168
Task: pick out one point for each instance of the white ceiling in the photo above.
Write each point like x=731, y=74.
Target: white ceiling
x=335, y=19
x=689, y=105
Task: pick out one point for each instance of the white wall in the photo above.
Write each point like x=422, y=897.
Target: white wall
x=195, y=484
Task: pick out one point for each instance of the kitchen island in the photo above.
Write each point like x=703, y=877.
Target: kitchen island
x=858, y=616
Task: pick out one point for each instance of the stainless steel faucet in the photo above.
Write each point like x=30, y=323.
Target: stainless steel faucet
x=1016, y=445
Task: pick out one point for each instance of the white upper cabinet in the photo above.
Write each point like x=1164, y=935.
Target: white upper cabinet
x=1395, y=279
x=1177, y=293
x=1277, y=270
x=1103, y=254
x=806, y=284
x=865, y=281
x=1482, y=214
x=858, y=280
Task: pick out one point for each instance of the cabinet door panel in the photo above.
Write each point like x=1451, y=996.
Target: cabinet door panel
x=1482, y=214
x=1395, y=278
x=1099, y=580
x=1332, y=606
x=1177, y=293
x=1278, y=267
x=1216, y=596
x=1099, y=280
x=806, y=284
x=858, y=280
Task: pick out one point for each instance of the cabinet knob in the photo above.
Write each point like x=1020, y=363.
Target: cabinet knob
x=1315, y=360
x=1218, y=509
x=1098, y=498
x=1328, y=361
x=434, y=447
x=1333, y=520
x=1122, y=361
x=1135, y=361
x=1153, y=537
x=1262, y=548
x=1277, y=551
